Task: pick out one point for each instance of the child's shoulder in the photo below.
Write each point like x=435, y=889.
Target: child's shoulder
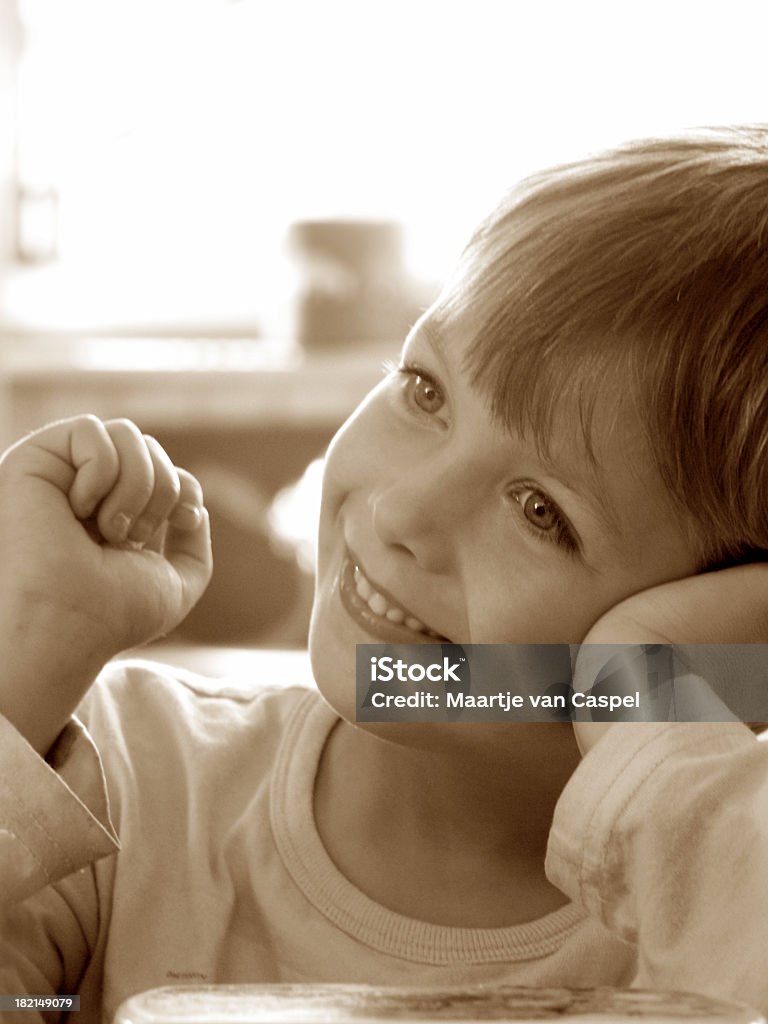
x=181, y=683
x=141, y=705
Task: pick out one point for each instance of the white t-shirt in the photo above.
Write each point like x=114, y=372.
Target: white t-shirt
x=222, y=877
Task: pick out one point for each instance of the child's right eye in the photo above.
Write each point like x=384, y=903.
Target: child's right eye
x=426, y=394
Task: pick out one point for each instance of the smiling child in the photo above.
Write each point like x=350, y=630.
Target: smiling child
x=573, y=446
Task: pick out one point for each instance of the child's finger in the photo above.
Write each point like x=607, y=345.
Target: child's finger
x=75, y=455
x=189, y=508
x=135, y=484
x=96, y=465
x=164, y=497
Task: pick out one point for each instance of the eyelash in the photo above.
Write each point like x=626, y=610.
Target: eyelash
x=561, y=534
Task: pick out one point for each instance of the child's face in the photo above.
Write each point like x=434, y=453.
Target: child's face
x=464, y=530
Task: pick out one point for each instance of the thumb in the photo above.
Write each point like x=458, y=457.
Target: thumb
x=189, y=553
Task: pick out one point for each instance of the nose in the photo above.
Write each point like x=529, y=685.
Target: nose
x=419, y=512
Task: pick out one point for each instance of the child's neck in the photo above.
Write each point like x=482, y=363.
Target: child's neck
x=446, y=838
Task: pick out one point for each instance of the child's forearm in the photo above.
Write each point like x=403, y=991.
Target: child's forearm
x=49, y=662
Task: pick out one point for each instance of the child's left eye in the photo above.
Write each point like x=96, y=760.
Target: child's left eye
x=545, y=517
x=540, y=511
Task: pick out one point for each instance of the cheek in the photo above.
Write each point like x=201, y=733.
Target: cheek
x=343, y=466
x=368, y=448
x=523, y=601
x=353, y=464
x=353, y=452
x=529, y=615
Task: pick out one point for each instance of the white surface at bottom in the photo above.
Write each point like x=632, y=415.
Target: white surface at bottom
x=360, y=1004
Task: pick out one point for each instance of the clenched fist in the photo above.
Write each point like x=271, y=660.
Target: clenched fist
x=104, y=545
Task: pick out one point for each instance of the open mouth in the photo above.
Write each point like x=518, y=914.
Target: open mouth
x=378, y=613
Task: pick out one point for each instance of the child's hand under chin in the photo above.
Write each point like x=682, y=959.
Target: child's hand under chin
x=729, y=606
x=104, y=545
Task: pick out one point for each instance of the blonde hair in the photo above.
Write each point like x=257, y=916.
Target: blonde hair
x=651, y=260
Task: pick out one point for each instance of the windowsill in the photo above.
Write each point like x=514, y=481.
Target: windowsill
x=172, y=381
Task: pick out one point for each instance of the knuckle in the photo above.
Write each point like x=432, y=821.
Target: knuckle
x=91, y=430
x=167, y=488
x=89, y=420
x=190, y=485
x=154, y=448
x=123, y=421
x=123, y=426
x=158, y=454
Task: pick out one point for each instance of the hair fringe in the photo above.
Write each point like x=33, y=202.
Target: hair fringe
x=647, y=267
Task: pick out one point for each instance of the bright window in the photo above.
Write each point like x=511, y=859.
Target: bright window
x=166, y=145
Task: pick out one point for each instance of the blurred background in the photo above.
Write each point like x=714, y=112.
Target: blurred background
x=219, y=217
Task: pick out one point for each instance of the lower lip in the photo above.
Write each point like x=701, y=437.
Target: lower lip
x=377, y=626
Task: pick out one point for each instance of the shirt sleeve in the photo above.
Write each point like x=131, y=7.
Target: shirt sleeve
x=54, y=814
x=54, y=823
x=662, y=834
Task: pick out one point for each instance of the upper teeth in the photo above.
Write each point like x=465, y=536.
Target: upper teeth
x=380, y=605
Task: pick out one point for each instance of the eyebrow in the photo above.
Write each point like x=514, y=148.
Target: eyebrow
x=432, y=334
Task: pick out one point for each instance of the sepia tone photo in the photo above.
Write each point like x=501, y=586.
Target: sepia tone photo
x=332, y=332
